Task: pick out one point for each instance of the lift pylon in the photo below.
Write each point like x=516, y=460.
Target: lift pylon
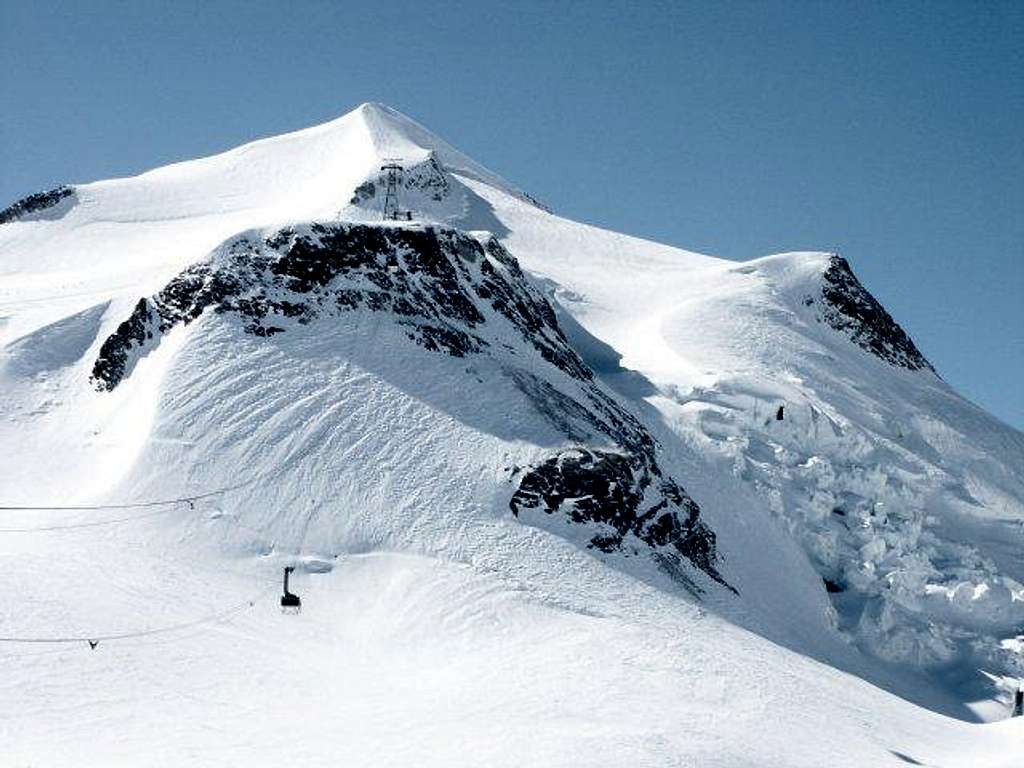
x=392, y=170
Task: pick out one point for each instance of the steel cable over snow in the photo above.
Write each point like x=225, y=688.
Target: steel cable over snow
x=97, y=638
x=97, y=507
x=133, y=505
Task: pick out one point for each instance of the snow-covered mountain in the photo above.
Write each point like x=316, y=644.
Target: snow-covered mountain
x=556, y=495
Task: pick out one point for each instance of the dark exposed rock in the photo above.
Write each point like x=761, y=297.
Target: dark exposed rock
x=615, y=492
x=832, y=587
x=530, y=312
x=432, y=278
x=429, y=178
x=848, y=307
x=448, y=291
x=413, y=272
x=113, y=363
x=618, y=497
x=365, y=191
x=36, y=204
x=598, y=485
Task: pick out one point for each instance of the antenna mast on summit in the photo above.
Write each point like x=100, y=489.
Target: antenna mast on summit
x=392, y=169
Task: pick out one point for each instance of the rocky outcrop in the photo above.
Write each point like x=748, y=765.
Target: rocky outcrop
x=40, y=205
x=626, y=502
x=118, y=353
x=459, y=295
x=431, y=279
x=848, y=307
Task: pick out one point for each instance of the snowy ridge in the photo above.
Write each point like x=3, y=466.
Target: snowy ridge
x=450, y=294
x=173, y=216
x=532, y=473
x=395, y=135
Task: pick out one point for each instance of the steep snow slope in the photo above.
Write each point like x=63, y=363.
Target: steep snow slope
x=528, y=533
x=906, y=498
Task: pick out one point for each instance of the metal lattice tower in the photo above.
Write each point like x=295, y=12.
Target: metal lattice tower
x=392, y=169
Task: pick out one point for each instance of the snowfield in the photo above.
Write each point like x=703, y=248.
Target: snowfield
x=555, y=495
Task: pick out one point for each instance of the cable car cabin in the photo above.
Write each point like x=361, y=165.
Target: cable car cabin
x=290, y=603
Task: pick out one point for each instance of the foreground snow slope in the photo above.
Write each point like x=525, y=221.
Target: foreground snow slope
x=527, y=533
x=400, y=659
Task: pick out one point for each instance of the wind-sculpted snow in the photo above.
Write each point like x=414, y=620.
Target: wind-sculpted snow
x=41, y=205
x=851, y=309
x=458, y=295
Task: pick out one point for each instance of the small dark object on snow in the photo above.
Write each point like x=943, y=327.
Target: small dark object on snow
x=832, y=586
x=93, y=644
x=1018, y=703
x=778, y=413
x=289, y=603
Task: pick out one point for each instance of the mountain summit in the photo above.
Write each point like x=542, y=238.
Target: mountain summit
x=553, y=495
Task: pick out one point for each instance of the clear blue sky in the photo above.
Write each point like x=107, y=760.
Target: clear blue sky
x=891, y=130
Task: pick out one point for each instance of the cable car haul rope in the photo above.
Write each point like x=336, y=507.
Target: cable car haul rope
x=95, y=639
x=171, y=505
x=133, y=505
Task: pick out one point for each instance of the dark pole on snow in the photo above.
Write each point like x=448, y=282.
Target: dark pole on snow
x=1018, y=703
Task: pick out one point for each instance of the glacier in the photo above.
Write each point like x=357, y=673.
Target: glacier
x=555, y=495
